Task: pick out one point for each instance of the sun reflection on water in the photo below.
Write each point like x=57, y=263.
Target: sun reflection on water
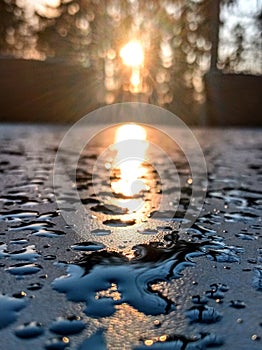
x=131, y=175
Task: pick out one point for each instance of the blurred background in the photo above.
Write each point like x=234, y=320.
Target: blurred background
x=201, y=59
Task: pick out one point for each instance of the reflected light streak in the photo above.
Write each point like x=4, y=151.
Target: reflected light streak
x=131, y=147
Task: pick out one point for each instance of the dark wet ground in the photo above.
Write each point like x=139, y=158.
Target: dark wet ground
x=120, y=280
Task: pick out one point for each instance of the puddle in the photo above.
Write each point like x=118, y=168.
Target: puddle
x=152, y=263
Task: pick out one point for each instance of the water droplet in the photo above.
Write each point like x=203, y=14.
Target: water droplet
x=24, y=269
x=96, y=341
x=28, y=253
x=21, y=294
x=179, y=342
x=101, y=232
x=90, y=201
x=246, y=236
x=255, y=337
x=109, y=209
x=29, y=330
x=18, y=215
x=35, y=226
x=69, y=326
x=48, y=233
x=217, y=291
x=9, y=309
x=57, y=343
x=197, y=299
x=119, y=223
x=157, y=323
x=203, y=314
x=19, y=241
x=257, y=279
x=240, y=217
x=88, y=246
x=34, y=286
x=49, y=257
x=237, y=304
x=147, y=232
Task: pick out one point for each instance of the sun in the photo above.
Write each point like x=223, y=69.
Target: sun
x=132, y=54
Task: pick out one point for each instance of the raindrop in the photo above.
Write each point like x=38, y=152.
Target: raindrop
x=34, y=286
x=49, y=257
x=28, y=253
x=88, y=246
x=147, y=232
x=101, y=232
x=9, y=309
x=179, y=342
x=203, y=314
x=89, y=201
x=257, y=279
x=109, y=209
x=246, y=236
x=240, y=217
x=18, y=215
x=29, y=330
x=24, y=269
x=35, y=226
x=48, y=233
x=67, y=326
x=255, y=337
x=119, y=223
x=197, y=299
x=96, y=341
x=19, y=241
x=237, y=304
x=19, y=295
x=57, y=343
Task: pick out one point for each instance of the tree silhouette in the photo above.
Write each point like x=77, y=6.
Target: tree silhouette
x=179, y=38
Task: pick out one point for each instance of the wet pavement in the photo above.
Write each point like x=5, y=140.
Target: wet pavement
x=130, y=275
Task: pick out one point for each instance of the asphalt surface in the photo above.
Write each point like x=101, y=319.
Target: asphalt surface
x=114, y=278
